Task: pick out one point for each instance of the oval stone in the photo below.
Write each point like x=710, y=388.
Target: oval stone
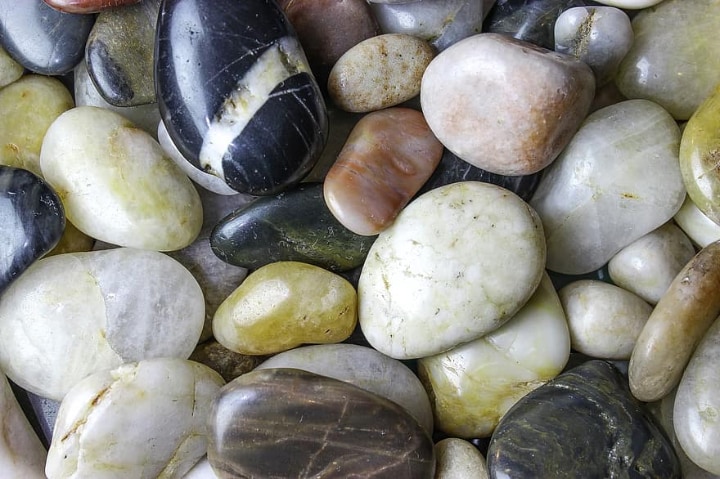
x=439, y=275
x=116, y=183
x=505, y=127
x=292, y=423
x=283, y=305
x=379, y=72
x=388, y=156
x=701, y=229
x=73, y=314
x=142, y=420
x=459, y=459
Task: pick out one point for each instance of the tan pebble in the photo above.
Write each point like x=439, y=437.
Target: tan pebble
x=459, y=459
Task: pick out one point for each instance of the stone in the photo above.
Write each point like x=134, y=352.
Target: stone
x=71, y=315
x=696, y=404
x=88, y=6
x=701, y=229
x=270, y=423
x=604, y=320
x=116, y=183
x=648, y=265
x=388, y=156
x=677, y=324
x=363, y=367
x=201, y=470
x=474, y=384
x=228, y=364
x=602, y=174
x=459, y=459
x=379, y=72
x=599, y=36
x=584, y=423
x=32, y=220
x=142, y=420
x=72, y=241
x=505, y=127
x=293, y=226
x=630, y=4
x=306, y=303
x=670, y=62
x=119, y=53
x=439, y=275
x=236, y=93
x=10, y=70
x=42, y=39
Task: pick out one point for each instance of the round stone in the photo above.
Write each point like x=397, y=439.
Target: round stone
x=459, y=459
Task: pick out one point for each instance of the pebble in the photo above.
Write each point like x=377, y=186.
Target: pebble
x=283, y=305
x=459, y=459
x=142, y=420
x=228, y=364
x=648, y=265
x=201, y=470
x=379, y=72
x=439, y=275
x=116, y=183
x=388, y=156
x=88, y=6
x=630, y=4
x=513, y=127
x=270, y=423
x=10, y=70
x=701, y=229
x=602, y=174
x=71, y=315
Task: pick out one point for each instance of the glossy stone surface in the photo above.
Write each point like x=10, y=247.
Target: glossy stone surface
x=88, y=6
x=32, y=220
x=10, y=70
x=459, y=459
x=119, y=54
x=388, y=156
x=236, y=93
x=701, y=229
x=512, y=128
x=143, y=420
x=438, y=276
x=270, y=423
x=294, y=226
x=584, y=423
x=42, y=39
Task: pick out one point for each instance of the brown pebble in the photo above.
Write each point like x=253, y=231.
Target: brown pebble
x=228, y=364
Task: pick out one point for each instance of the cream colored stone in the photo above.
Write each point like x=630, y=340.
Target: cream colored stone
x=701, y=229
x=459, y=459
x=630, y=4
x=10, y=70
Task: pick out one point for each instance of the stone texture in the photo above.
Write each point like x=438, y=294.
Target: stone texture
x=505, y=127
x=228, y=364
x=270, y=423
x=388, y=156
x=459, y=459
x=701, y=229
x=584, y=423
x=630, y=4
x=88, y=6
x=10, y=70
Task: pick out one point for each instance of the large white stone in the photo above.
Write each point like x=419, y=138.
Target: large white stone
x=458, y=262
x=142, y=420
x=71, y=315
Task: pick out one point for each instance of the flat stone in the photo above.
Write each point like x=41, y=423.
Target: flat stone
x=459, y=459
x=236, y=93
x=584, y=423
x=388, y=156
x=293, y=226
x=292, y=423
x=88, y=6
x=701, y=229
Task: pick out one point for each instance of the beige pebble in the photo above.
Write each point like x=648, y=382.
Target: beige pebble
x=459, y=459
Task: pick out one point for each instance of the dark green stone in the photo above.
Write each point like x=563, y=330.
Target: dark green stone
x=583, y=424
x=293, y=226
x=281, y=423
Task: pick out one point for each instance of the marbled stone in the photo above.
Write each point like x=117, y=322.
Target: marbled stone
x=294, y=226
x=584, y=423
x=142, y=420
x=671, y=62
x=42, y=39
x=10, y=70
x=505, y=127
x=438, y=276
x=648, y=265
x=88, y=6
x=379, y=72
x=71, y=315
x=283, y=305
x=604, y=320
x=236, y=93
x=603, y=174
x=32, y=220
x=677, y=324
x=270, y=423
x=119, y=53
x=599, y=36
x=701, y=229
x=459, y=459
x=228, y=364
x=363, y=367
x=388, y=156
x=473, y=385
x=116, y=183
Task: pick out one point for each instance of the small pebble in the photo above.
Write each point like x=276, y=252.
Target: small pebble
x=459, y=459
x=701, y=229
x=10, y=70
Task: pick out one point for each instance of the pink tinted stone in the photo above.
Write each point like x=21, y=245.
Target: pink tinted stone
x=87, y=6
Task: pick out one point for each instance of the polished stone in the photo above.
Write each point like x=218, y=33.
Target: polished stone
x=32, y=220
x=88, y=6
x=292, y=423
x=294, y=226
x=236, y=93
x=701, y=229
x=584, y=423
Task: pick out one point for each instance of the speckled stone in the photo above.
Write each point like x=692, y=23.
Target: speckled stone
x=584, y=423
x=270, y=423
x=88, y=6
